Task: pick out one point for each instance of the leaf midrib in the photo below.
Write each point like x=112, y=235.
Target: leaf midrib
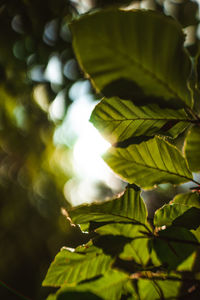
x=166, y=171
x=149, y=119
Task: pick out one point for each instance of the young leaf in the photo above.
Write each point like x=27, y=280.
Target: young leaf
x=119, y=120
x=191, y=149
x=149, y=163
x=133, y=46
x=129, y=208
x=71, y=267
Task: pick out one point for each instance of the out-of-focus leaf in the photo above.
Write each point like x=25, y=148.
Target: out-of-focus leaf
x=70, y=267
x=119, y=120
x=149, y=163
x=129, y=208
x=111, y=45
x=191, y=149
x=170, y=243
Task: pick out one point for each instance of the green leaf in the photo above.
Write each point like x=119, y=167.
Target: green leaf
x=119, y=120
x=71, y=267
x=178, y=215
x=133, y=46
x=129, y=208
x=132, y=250
x=108, y=287
x=149, y=163
x=137, y=250
x=127, y=230
x=158, y=289
x=170, y=243
x=189, y=199
x=191, y=148
x=183, y=211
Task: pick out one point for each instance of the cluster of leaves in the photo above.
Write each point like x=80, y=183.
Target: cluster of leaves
x=137, y=60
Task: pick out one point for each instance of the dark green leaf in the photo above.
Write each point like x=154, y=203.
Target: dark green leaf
x=191, y=149
x=149, y=163
x=114, y=45
x=119, y=120
x=170, y=243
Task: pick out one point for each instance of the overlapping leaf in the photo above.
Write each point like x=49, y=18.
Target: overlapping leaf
x=133, y=46
x=71, y=267
x=158, y=289
x=119, y=120
x=179, y=215
x=132, y=250
x=129, y=207
x=170, y=243
x=149, y=163
x=183, y=211
x=108, y=287
x=192, y=147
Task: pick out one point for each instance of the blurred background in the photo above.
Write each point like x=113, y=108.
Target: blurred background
x=50, y=155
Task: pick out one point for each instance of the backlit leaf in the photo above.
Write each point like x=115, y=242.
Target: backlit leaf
x=178, y=215
x=189, y=199
x=71, y=267
x=149, y=163
x=133, y=46
x=170, y=243
x=158, y=289
x=192, y=147
x=119, y=120
x=129, y=208
x=108, y=287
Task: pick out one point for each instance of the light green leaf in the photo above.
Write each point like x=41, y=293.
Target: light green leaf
x=137, y=250
x=119, y=120
x=149, y=163
x=108, y=287
x=192, y=147
x=189, y=199
x=182, y=211
x=158, y=289
x=52, y=297
x=133, y=47
x=132, y=250
x=70, y=267
x=170, y=214
x=129, y=208
x=127, y=230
